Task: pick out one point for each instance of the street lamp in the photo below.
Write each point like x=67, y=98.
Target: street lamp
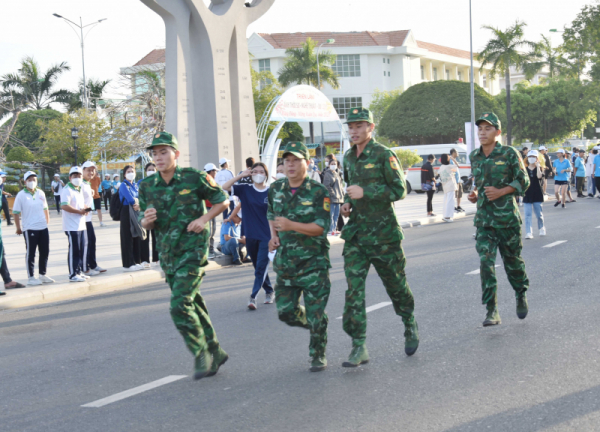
x=75, y=135
x=329, y=41
x=80, y=26
x=472, y=80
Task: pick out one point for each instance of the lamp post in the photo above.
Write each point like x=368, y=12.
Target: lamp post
x=80, y=26
x=472, y=79
x=75, y=135
x=329, y=41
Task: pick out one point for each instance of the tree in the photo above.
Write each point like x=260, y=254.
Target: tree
x=503, y=51
x=553, y=112
x=408, y=158
x=549, y=57
x=434, y=112
x=581, y=41
x=95, y=90
x=27, y=132
x=301, y=68
x=20, y=154
x=380, y=102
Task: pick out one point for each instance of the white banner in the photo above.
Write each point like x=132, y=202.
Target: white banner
x=470, y=145
x=304, y=103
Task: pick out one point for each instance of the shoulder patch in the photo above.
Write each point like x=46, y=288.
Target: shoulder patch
x=211, y=180
x=326, y=204
x=394, y=163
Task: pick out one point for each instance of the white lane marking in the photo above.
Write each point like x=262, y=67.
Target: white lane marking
x=374, y=307
x=134, y=391
x=555, y=243
x=474, y=272
x=598, y=227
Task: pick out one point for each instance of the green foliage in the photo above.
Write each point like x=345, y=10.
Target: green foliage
x=26, y=129
x=19, y=154
x=95, y=90
x=408, y=158
x=546, y=56
x=582, y=42
x=12, y=189
x=380, y=102
x=301, y=66
x=434, y=112
x=552, y=112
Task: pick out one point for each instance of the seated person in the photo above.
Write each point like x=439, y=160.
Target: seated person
x=232, y=242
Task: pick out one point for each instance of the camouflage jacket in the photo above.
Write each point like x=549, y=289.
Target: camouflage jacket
x=299, y=253
x=503, y=167
x=177, y=204
x=373, y=219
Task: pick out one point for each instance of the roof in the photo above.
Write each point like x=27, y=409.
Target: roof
x=342, y=39
x=155, y=56
x=444, y=50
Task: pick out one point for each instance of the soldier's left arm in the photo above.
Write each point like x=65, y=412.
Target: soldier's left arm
x=520, y=178
x=394, y=187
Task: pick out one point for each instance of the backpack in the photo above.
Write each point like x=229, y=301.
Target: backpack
x=115, y=206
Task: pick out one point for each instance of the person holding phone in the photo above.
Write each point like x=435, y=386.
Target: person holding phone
x=534, y=197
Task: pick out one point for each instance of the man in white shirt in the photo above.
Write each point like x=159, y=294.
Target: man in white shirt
x=57, y=187
x=222, y=177
x=589, y=170
x=31, y=208
x=73, y=216
x=90, y=266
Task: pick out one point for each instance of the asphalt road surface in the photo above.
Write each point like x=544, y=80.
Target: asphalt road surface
x=540, y=374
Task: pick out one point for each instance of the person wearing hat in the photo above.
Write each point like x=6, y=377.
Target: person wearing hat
x=211, y=171
x=222, y=177
x=547, y=166
x=589, y=169
x=375, y=181
x=57, y=186
x=106, y=186
x=570, y=178
x=74, y=212
x=4, y=200
x=579, y=172
x=90, y=266
x=499, y=177
x=299, y=218
x=561, y=168
x=172, y=203
x=31, y=218
x=116, y=184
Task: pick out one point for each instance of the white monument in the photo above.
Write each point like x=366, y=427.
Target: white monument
x=209, y=100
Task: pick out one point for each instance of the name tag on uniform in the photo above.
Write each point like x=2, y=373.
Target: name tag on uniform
x=500, y=163
x=277, y=200
x=369, y=166
x=306, y=202
x=184, y=192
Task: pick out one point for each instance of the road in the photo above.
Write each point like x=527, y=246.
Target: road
x=539, y=374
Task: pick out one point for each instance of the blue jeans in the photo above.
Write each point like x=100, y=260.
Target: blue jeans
x=259, y=253
x=335, y=214
x=537, y=207
x=231, y=248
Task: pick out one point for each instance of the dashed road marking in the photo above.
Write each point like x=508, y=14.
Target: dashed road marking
x=374, y=307
x=474, y=272
x=134, y=391
x=555, y=243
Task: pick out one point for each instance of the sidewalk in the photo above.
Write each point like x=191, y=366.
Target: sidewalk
x=411, y=212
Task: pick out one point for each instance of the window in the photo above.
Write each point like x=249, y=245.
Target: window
x=264, y=65
x=460, y=76
x=447, y=74
x=423, y=72
x=343, y=105
x=389, y=74
x=485, y=81
x=388, y=61
x=383, y=61
x=383, y=73
x=347, y=65
x=435, y=74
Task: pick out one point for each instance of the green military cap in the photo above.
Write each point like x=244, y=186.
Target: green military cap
x=164, y=138
x=491, y=118
x=359, y=114
x=297, y=149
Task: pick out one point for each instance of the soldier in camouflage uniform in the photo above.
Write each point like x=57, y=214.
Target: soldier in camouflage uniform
x=299, y=217
x=172, y=203
x=373, y=236
x=499, y=175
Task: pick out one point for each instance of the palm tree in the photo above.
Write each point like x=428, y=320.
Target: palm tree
x=301, y=68
x=95, y=90
x=547, y=57
x=504, y=50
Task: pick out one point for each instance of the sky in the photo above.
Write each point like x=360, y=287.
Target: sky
x=132, y=30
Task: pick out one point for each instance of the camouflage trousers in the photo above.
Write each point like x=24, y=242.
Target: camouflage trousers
x=315, y=287
x=510, y=244
x=188, y=309
x=389, y=262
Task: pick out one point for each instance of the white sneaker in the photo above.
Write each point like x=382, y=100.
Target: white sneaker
x=449, y=220
x=83, y=275
x=91, y=272
x=269, y=298
x=252, y=303
x=102, y=224
x=133, y=268
x=542, y=231
x=139, y=266
x=77, y=278
x=46, y=279
x=100, y=269
x=529, y=236
x=146, y=266
x=33, y=281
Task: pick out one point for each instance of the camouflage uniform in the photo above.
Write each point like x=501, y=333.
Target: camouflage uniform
x=373, y=235
x=302, y=262
x=183, y=254
x=499, y=222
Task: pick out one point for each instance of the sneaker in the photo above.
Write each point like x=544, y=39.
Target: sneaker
x=529, y=236
x=46, y=279
x=269, y=298
x=252, y=303
x=247, y=260
x=33, y=281
x=202, y=365
x=492, y=318
x=572, y=201
x=139, y=266
x=411, y=338
x=146, y=266
x=83, y=275
x=132, y=268
x=219, y=357
x=449, y=220
x=102, y=224
x=359, y=355
x=92, y=272
x=318, y=364
x=557, y=204
x=211, y=256
x=542, y=232
x=563, y=206
x=100, y=269
x=76, y=278
x=522, y=306
x=237, y=263
x=460, y=209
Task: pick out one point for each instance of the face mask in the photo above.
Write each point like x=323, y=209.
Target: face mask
x=280, y=176
x=258, y=178
x=332, y=167
x=1, y=180
x=130, y=176
x=150, y=172
x=532, y=160
x=31, y=184
x=76, y=181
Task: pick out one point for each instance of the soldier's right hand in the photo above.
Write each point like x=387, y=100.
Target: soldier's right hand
x=346, y=209
x=274, y=243
x=472, y=197
x=150, y=215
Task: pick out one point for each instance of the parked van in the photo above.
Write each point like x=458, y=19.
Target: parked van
x=413, y=177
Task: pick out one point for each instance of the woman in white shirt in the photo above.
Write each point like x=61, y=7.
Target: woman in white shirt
x=448, y=179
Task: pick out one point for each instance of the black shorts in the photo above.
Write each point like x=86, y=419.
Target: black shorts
x=97, y=203
x=561, y=182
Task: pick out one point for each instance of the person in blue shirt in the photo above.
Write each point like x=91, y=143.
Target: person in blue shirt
x=596, y=173
x=106, y=186
x=116, y=184
x=231, y=239
x=130, y=246
x=579, y=172
x=255, y=202
x=562, y=168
